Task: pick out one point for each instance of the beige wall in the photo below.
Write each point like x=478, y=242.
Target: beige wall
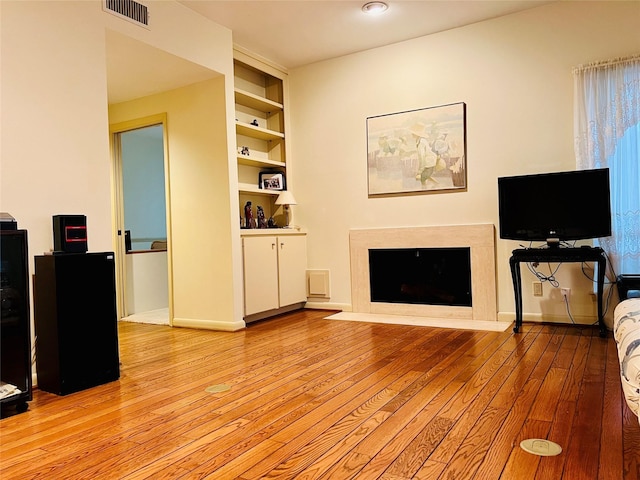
x=55, y=134
x=199, y=194
x=514, y=74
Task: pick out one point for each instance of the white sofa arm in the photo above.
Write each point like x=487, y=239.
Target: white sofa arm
x=626, y=332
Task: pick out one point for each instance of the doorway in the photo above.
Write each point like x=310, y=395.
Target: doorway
x=140, y=164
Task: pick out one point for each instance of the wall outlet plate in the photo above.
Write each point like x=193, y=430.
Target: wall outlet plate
x=537, y=289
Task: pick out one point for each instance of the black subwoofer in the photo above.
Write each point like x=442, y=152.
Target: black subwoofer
x=76, y=321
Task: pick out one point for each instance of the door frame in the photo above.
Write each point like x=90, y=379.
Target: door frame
x=117, y=209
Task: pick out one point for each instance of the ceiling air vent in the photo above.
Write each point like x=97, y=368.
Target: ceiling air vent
x=135, y=12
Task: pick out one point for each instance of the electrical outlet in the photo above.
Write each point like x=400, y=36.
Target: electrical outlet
x=566, y=293
x=537, y=289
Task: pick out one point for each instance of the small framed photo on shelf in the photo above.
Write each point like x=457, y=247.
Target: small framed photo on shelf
x=272, y=181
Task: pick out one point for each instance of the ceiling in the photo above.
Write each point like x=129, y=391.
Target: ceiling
x=291, y=34
x=295, y=33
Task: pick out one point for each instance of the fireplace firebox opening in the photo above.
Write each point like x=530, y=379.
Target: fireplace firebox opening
x=423, y=276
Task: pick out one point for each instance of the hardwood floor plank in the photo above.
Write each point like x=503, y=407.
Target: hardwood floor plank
x=631, y=445
x=499, y=395
x=416, y=454
x=584, y=450
x=560, y=432
x=527, y=383
x=549, y=395
x=273, y=414
x=404, y=419
x=472, y=450
x=347, y=423
x=429, y=471
x=571, y=360
x=521, y=464
x=238, y=464
x=313, y=398
x=318, y=457
x=387, y=448
x=449, y=352
x=611, y=451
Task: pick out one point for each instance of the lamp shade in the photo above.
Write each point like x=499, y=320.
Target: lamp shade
x=286, y=198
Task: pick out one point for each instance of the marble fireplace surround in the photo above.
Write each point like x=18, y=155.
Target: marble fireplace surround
x=479, y=238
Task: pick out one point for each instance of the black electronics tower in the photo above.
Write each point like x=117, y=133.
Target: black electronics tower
x=15, y=335
x=76, y=321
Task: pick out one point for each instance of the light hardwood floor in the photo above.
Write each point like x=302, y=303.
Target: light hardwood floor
x=315, y=398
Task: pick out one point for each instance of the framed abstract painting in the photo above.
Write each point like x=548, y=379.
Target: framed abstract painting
x=417, y=151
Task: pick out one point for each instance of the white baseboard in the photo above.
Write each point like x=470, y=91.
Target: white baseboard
x=345, y=307
x=208, y=324
x=585, y=320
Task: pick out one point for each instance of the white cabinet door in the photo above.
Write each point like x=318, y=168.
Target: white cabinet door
x=292, y=266
x=260, y=274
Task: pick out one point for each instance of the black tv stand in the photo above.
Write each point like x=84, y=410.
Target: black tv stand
x=560, y=255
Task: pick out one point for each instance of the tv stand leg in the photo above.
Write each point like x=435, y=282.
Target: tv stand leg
x=602, y=266
x=517, y=290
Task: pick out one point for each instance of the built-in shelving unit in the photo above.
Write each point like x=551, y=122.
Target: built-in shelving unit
x=260, y=109
x=274, y=259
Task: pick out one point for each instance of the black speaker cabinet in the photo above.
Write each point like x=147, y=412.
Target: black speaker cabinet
x=70, y=233
x=75, y=321
x=15, y=324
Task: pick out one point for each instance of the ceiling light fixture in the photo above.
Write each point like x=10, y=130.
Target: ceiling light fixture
x=374, y=8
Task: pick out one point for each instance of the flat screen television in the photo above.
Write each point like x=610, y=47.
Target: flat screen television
x=555, y=207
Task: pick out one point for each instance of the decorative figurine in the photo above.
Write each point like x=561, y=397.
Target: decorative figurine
x=271, y=223
x=244, y=151
x=248, y=216
x=262, y=222
x=254, y=122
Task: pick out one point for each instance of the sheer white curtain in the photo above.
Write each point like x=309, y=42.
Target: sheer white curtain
x=607, y=134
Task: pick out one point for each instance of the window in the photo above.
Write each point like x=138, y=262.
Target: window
x=607, y=134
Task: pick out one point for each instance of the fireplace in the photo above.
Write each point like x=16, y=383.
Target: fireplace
x=438, y=272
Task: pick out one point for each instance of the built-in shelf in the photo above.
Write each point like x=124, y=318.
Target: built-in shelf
x=256, y=232
x=257, y=132
x=261, y=129
x=253, y=189
x=259, y=162
x=257, y=102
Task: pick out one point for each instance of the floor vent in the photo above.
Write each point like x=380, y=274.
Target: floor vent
x=130, y=10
